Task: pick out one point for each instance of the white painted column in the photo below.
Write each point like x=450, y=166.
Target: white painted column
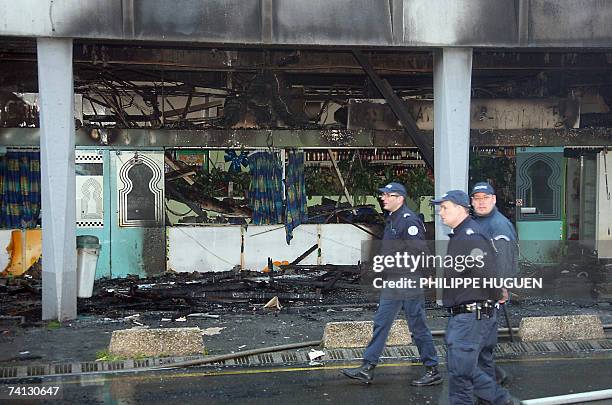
x=452, y=90
x=55, y=87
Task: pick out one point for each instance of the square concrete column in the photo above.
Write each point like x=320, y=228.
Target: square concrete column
x=452, y=91
x=56, y=94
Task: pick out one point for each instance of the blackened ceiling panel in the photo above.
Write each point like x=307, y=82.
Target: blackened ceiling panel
x=575, y=23
x=373, y=23
x=232, y=21
x=66, y=18
x=340, y=22
x=460, y=22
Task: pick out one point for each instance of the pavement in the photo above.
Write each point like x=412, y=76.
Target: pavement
x=532, y=378
x=86, y=337
x=552, y=369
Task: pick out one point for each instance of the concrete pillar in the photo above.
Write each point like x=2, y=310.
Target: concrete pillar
x=452, y=90
x=55, y=87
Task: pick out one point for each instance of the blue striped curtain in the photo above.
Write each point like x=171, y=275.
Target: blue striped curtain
x=19, y=189
x=296, y=199
x=266, y=190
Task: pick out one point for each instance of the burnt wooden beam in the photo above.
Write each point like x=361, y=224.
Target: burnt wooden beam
x=542, y=137
x=309, y=138
x=174, y=192
x=178, y=174
x=399, y=109
x=304, y=255
x=256, y=295
x=168, y=160
x=337, y=276
x=391, y=62
x=149, y=117
x=192, y=108
x=193, y=196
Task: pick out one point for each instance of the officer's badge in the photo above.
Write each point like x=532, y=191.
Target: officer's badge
x=477, y=253
x=469, y=231
x=413, y=230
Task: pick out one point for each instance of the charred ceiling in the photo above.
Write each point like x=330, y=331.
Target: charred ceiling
x=184, y=87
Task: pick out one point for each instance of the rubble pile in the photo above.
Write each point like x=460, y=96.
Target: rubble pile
x=21, y=296
x=285, y=286
x=229, y=290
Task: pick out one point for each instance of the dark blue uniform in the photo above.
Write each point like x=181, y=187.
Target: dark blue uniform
x=501, y=230
x=468, y=328
x=402, y=225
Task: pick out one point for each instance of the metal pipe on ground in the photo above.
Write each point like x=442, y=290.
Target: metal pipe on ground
x=501, y=330
x=246, y=353
x=590, y=396
x=442, y=332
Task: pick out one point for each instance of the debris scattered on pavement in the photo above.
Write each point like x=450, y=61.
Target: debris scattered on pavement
x=212, y=331
x=201, y=315
x=315, y=354
x=301, y=288
x=273, y=304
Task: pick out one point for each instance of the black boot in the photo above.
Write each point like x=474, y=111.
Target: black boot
x=364, y=373
x=513, y=401
x=431, y=377
x=501, y=376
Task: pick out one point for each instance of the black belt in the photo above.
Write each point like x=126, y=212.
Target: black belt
x=479, y=307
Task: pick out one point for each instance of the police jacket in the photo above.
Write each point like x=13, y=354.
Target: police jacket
x=403, y=224
x=404, y=232
x=468, y=239
x=504, y=237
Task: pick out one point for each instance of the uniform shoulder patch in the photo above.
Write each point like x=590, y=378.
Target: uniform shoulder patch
x=469, y=231
x=406, y=215
x=413, y=230
x=477, y=253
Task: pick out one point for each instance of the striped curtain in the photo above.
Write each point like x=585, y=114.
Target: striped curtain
x=19, y=189
x=266, y=190
x=296, y=199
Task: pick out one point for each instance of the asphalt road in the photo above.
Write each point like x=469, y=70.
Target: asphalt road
x=532, y=378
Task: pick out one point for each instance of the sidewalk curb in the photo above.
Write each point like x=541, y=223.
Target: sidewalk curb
x=294, y=357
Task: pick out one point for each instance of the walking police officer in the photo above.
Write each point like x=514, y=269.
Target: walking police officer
x=470, y=305
x=504, y=236
x=402, y=224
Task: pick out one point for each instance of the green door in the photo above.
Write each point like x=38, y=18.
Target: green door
x=540, y=179
x=137, y=226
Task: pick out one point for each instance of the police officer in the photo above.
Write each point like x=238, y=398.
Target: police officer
x=471, y=320
x=402, y=224
x=504, y=236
